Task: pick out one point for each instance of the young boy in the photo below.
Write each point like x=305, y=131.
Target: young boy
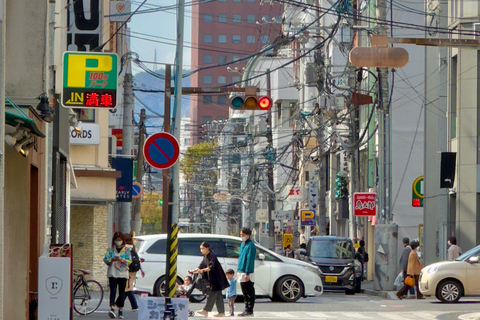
x=232, y=290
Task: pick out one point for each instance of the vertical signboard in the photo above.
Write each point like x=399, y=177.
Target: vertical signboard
x=364, y=204
x=125, y=182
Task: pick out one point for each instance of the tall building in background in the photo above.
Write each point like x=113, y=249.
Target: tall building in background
x=223, y=32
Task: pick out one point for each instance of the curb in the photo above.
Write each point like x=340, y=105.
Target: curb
x=384, y=294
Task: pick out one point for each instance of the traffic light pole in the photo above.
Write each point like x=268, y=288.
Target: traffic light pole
x=271, y=195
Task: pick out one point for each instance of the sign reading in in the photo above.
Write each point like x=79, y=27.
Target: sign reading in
x=89, y=80
x=364, y=204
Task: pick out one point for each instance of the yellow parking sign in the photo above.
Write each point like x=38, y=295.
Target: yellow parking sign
x=287, y=239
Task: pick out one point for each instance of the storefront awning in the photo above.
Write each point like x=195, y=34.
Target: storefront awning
x=14, y=115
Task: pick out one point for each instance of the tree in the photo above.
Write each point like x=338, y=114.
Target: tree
x=194, y=157
x=151, y=213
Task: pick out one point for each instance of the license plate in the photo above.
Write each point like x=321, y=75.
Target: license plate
x=330, y=279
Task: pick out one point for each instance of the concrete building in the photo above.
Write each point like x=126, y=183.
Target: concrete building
x=224, y=35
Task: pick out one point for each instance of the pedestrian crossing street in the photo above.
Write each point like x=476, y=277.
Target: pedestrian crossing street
x=337, y=315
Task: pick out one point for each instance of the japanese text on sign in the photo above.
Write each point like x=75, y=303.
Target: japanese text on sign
x=364, y=204
x=152, y=308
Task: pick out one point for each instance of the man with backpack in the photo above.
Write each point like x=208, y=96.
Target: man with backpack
x=133, y=268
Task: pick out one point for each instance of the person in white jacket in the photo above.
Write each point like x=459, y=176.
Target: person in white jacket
x=454, y=251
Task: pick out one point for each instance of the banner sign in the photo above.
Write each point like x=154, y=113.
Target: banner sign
x=150, y=308
x=125, y=182
x=364, y=204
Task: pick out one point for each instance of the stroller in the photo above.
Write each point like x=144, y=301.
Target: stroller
x=199, y=283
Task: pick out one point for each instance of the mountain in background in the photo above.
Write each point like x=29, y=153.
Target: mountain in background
x=148, y=90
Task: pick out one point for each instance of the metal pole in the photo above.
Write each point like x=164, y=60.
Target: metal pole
x=125, y=208
x=271, y=196
x=166, y=128
x=2, y=155
x=136, y=221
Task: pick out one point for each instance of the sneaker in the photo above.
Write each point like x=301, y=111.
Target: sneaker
x=120, y=314
x=246, y=314
x=112, y=314
x=219, y=315
x=202, y=312
x=135, y=309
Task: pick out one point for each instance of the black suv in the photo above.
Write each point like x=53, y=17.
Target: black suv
x=339, y=265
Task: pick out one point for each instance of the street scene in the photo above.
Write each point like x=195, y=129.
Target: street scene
x=293, y=159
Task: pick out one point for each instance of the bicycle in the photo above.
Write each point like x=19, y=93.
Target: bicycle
x=87, y=294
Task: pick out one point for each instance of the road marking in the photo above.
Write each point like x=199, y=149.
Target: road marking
x=316, y=315
x=388, y=315
x=425, y=315
x=470, y=316
x=355, y=315
x=286, y=315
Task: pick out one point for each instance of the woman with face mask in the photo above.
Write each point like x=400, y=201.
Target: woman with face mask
x=117, y=259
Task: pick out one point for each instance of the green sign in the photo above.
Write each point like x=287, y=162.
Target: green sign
x=89, y=80
x=417, y=192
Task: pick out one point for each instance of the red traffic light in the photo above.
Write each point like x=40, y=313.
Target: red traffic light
x=264, y=103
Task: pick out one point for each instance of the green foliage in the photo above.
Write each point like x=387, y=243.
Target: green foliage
x=151, y=213
x=195, y=157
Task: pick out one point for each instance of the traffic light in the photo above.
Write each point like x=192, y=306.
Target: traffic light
x=249, y=100
x=341, y=187
x=160, y=202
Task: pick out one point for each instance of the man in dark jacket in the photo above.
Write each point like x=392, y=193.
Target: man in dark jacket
x=246, y=266
x=404, y=259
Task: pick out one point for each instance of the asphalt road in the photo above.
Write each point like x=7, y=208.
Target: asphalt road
x=333, y=305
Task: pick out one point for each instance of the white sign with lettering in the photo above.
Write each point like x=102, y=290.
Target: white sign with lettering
x=89, y=134
x=54, y=288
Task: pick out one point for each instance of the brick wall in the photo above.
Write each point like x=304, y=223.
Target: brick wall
x=89, y=234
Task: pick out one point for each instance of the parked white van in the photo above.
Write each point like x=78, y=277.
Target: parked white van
x=276, y=276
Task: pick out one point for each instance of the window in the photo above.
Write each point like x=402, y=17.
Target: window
x=265, y=18
x=189, y=247
x=222, y=58
x=222, y=38
x=207, y=119
x=207, y=18
x=278, y=18
x=265, y=39
x=236, y=38
x=237, y=1
x=207, y=79
x=237, y=18
x=159, y=247
x=221, y=79
x=207, y=38
x=232, y=248
x=222, y=100
x=236, y=79
x=222, y=0
x=250, y=18
x=85, y=115
x=251, y=1
x=268, y=256
x=250, y=38
x=222, y=18
x=207, y=58
x=236, y=58
x=207, y=99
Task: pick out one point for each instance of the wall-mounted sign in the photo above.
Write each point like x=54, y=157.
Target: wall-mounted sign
x=89, y=80
x=89, y=134
x=307, y=217
x=119, y=11
x=364, y=204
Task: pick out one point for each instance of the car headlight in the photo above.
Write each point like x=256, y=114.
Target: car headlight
x=432, y=269
x=313, y=269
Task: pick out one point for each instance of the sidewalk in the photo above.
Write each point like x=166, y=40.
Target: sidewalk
x=367, y=288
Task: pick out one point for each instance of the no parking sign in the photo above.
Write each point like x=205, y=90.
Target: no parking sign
x=161, y=150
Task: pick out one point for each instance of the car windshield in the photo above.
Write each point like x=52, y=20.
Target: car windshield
x=468, y=253
x=333, y=249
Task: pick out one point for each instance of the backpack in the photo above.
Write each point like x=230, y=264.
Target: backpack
x=365, y=257
x=135, y=265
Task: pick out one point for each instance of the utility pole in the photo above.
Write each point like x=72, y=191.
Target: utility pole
x=271, y=194
x=125, y=208
x=166, y=128
x=136, y=221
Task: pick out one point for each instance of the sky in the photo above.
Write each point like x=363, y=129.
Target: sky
x=157, y=30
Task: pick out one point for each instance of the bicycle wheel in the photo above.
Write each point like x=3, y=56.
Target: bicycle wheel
x=87, y=298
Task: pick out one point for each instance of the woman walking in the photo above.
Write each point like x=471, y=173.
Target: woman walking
x=216, y=278
x=117, y=259
x=413, y=270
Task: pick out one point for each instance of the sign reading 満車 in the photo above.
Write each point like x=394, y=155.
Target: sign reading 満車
x=364, y=204
x=89, y=80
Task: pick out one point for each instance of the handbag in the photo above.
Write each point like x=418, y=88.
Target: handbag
x=409, y=281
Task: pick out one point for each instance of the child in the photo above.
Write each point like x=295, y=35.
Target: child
x=187, y=284
x=232, y=290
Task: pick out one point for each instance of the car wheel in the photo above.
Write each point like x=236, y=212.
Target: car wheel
x=449, y=291
x=288, y=289
x=349, y=291
x=159, y=288
x=358, y=285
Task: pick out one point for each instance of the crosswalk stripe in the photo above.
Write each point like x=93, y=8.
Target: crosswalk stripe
x=355, y=315
x=284, y=315
x=389, y=315
x=316, y=315
x=425, y=315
